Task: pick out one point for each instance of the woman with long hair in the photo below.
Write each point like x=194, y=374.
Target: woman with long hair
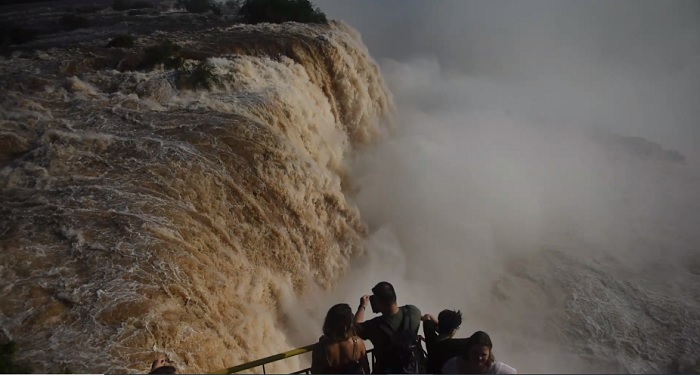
x=339, y=350
x=477, y=359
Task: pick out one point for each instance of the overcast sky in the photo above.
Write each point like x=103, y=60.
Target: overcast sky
x=631, y=65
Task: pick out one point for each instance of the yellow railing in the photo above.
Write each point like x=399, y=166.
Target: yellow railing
x=274, y=358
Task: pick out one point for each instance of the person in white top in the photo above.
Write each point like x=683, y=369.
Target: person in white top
x=478, y=358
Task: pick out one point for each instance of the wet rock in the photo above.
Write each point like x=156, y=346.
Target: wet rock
x=160, y=89
x=12, y=145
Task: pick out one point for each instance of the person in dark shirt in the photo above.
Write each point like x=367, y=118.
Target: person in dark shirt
x=391, y=314
x=439, y=339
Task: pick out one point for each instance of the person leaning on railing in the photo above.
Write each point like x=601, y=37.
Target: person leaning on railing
x=439, y=338
x=339, y=350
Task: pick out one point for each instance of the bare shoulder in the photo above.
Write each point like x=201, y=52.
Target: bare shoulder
x=361, y=344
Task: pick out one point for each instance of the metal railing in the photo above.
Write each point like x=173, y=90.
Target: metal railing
x=278, y=357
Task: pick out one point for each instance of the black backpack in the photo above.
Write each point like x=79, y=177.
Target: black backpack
x=405, y=354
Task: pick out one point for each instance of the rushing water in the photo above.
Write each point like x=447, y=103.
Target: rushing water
x=137, y=217
x=217, y=226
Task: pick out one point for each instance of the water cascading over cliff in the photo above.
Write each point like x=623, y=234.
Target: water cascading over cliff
x=138, y=217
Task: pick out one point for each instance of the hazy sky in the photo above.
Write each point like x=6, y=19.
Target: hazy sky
x=633, y=66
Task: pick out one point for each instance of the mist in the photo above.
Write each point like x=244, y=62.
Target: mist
x=542, y=178
x=627, y=65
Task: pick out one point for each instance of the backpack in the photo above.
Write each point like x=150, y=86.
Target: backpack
x=405, y=354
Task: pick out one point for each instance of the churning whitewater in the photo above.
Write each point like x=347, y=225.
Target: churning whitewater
x=140, y=214
x=136, y=217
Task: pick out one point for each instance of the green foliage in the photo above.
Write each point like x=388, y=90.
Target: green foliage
x=174, y=63
x=88, y=9
x=201, y=75
x=121, y=5
x=279, y=11
x=16, y=35
x=73, y=22
x=217, y=9
x=123, y=41
x=234, y=5
x=199, y=6
x=136, y=12
x=7, y=362
x=128, y=4
x=166, y=53
x=141, y=5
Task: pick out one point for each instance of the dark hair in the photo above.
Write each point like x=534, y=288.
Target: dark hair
x=385, y=293
x=449, y=321
x=164, y=370
x=338, y=325
x=481, y=338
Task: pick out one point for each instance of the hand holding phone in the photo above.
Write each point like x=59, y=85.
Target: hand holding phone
x=373, y=303
x=364, y=301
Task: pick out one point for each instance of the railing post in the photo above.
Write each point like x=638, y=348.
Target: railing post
x=264, y=372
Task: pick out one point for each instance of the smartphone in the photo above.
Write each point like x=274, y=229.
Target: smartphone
x=373, y=304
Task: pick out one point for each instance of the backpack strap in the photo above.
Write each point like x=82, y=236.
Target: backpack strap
x=406, y=323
